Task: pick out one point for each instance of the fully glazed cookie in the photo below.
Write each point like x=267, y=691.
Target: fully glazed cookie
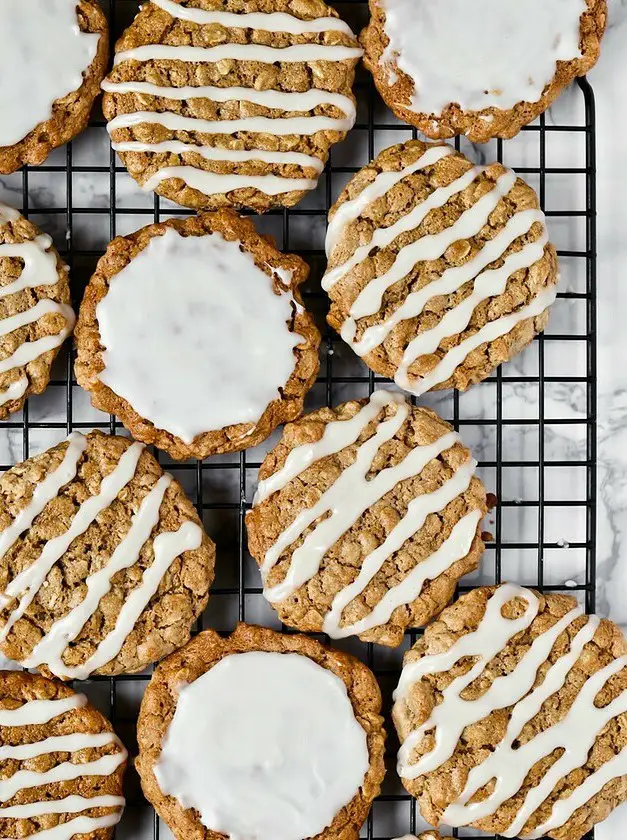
x=365, y=518
x=483, y=70
x=439, y=270
x=261, y=735
x=53, y=56
x=35, y=315
x=512, y=716
x=104, y=565
x=194, y=334
x=62, y=764
x=221, y=103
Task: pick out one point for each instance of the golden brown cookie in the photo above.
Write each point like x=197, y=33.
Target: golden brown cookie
x=482, y=70
x=193, y=333
x=261, y=730
x=512, y=714
x=35, y=312
x=438, y=270
x=104, y=565
x=220, y=103
x=365, y=518
x=62, y=763
x=53, y=57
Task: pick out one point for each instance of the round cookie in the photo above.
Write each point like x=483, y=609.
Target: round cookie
x=505, y=61
x=219, y=103
x=62, y=763
x=53, y=57
x=104, y=565
x=438, y=270
x=261, y=734
x=511, y=712
x=35, y=312
x=193, y=333
x=365, y=518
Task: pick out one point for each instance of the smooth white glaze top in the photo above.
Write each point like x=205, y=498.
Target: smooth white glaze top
x=195, y=338
x=502, y=53
x=44, y=54
x=265, y=746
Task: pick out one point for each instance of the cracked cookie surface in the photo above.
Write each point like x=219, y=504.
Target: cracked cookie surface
x=366, y=517
x=104, y=566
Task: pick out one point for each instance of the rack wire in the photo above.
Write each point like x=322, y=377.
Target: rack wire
x=532, y=424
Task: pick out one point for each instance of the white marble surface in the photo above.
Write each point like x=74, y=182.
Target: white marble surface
x=564, y=528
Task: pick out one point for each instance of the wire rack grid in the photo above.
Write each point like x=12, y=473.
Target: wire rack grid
x=532, y=425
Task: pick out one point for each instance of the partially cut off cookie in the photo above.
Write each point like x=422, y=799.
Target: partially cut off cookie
x=35, y=312
x=365, y=518
x=216, y=103
x=53, y=57
x=193, y=332
x=104, y=565
x=483, y=69
x=439, y=270
x=512, y=716
x=262, y=735
x=63, y=765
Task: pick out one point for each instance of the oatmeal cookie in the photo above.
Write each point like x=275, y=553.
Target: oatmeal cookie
x=193, y=333
x=217, y=103
x=62, y=764
x=53, y=57
x=512, y=716
x=482, y=70
x=261, y=734
x=104, y=565
x=439, y=270
x=35, y=312
x=365, y=518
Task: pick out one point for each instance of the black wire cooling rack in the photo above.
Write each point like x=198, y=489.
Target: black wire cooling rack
x=532, y=424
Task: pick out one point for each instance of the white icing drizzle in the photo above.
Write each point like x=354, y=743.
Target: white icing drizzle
x=274, y=22
x=349, y=497
x=76, y=827
x=39, y=269
x=239, y=52
x=209, y=300
x=211, y=183
x=70, y=805
x=36, y=712
x=506, y=53
x=166, y=547
x=487, y=283
x=41, y=38
x=8, y=214
x=56, y=743
x=243, y=769
x=352, y=209
x=507, y=765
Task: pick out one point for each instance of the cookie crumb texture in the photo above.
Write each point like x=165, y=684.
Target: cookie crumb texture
x=370, y=535
x=535, y=745
x=104, y=566
x=507, y=62
x=198, y=657
x=439, y=271
x=70, y=113
x=228, y=366
x=35, y=312
x=222, y=103
x=51, y=740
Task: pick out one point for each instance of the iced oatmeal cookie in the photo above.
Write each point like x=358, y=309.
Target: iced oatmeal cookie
x=214, y=103
x=365, y=518
x=193, y=333
x=62, y=764
x=263, y=735
x=104, y=565
x=438, y=270
x=53, y=57
x=512, y=716
x=35, y=312
x=483, y=69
